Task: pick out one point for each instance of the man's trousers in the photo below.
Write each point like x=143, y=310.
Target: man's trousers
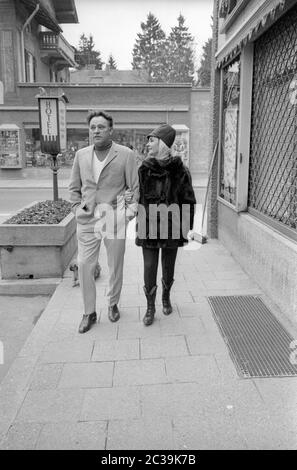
x=89, y=243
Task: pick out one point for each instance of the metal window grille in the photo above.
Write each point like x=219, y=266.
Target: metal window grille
x=273, y=159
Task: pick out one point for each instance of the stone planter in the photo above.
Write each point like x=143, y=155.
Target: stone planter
x=37, y=251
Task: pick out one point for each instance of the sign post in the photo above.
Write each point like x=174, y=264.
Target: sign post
x=52, y=124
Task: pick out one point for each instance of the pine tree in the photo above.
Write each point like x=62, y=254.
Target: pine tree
x=204, y=71
x=148, y=50
x=180, y=53
x=86, y=55
x=112, y=63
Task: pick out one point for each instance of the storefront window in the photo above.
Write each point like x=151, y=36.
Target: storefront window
x=231, y=94
x=10, y=155
x=79, y=138
x=76, y=139
x=137, y=138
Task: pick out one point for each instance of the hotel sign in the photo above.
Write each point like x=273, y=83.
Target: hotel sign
x=52, y=119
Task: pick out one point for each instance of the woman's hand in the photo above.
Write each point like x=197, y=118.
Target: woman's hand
x=128, y=196
x=192, y=235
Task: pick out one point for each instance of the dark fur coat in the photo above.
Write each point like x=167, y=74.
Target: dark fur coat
x=162, y=185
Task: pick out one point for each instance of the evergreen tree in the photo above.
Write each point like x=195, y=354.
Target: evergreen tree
x=112, y=63
x=204, y=71
x=180, y=53
x=148, y=51
x=86, y=55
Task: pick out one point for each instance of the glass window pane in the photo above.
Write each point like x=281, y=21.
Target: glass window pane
x=231, y=95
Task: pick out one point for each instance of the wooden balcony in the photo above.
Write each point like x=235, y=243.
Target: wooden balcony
x=55, y=49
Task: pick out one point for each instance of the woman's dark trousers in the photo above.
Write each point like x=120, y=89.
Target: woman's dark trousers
x=151, y=260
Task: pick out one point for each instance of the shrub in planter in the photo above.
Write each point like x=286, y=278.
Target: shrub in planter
x=38, y=242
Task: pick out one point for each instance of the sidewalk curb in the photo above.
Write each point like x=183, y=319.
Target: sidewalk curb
x=29, y=286
x=15, y=384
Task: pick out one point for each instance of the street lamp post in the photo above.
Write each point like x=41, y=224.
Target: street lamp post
x=54, y=163
x=52, y=124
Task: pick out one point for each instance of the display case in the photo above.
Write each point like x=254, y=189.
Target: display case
x=180, y=147
x=10, y=152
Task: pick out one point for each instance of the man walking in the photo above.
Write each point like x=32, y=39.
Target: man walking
x=101, y=174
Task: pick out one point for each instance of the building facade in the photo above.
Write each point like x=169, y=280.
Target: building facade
x=33, y=50
x=34, y=54
x=253, y=199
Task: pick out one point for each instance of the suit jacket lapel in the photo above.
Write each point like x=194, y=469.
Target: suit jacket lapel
x=111, y=155
x=89, y=163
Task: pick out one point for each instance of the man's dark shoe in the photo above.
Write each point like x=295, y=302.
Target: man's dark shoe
x=113, y=313
x=87, y=322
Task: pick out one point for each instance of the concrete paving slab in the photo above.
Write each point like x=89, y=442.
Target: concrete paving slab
x=86, y=375
x=21, y=436
x=140, y=434
x=63, y=331
x=278, y=391
x=201, y=432
x=187, y=309
x=176, y=326
x=147, y=371
x=183, y=399
x=46, y=377
x=111, y=404
x=191, y=369
x=129, y=314
x=205, y=344
x=266, y=429
x=138, y=330
x=13, y=390
x=104, y=330
x=116, y=350
x=168, y=346
x=47, y=406
x=67, y=351
x=73, y=436
x=226, y=366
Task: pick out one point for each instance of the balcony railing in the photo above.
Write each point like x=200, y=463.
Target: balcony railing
x=55, y=45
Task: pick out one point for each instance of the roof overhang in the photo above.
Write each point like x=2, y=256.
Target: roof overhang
x=258, y=21
x=65, y=11
x=43, y=15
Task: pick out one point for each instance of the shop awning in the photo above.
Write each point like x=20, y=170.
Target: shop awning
x=258, y=20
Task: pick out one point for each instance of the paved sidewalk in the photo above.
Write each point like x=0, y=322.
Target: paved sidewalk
x=126, y=386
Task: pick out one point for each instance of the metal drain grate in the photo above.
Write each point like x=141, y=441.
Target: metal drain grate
x=258, y=343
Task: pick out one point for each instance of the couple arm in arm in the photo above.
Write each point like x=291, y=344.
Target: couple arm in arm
x=131, y=194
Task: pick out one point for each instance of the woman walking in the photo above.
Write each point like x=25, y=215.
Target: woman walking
x=165, y=215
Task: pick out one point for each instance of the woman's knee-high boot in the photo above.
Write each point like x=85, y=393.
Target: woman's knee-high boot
x=151, y=310
x=167, y=307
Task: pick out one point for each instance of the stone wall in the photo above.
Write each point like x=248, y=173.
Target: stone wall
x=199, y=132
x=266, y=255
x=212, y=206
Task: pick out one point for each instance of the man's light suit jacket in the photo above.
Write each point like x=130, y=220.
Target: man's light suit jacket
x=119, y=173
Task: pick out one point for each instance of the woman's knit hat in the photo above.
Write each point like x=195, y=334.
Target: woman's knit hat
x=164, y=132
